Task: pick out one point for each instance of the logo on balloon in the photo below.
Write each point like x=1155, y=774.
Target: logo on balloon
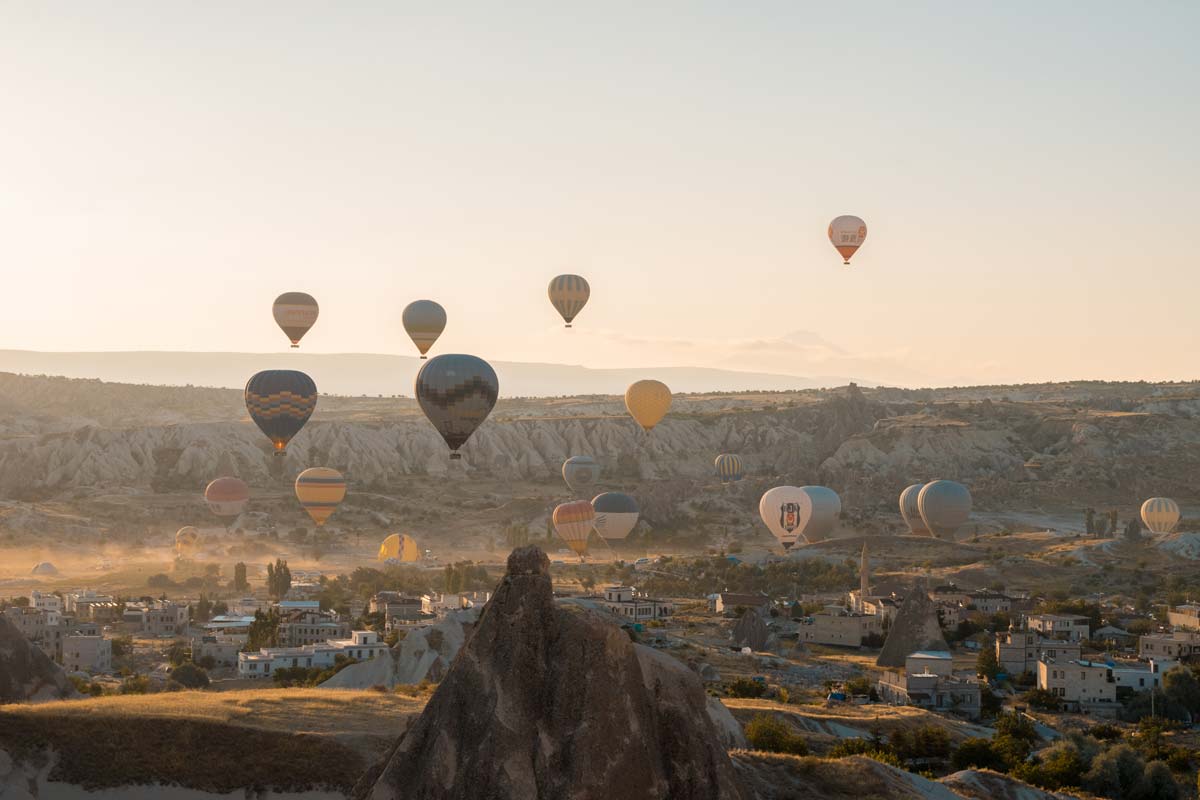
x=789, y=516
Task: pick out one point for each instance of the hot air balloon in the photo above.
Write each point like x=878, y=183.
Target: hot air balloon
x=580, y=472
x=911, y=512
x=569, y=294
x=295, y=313
x=574, y=521
x=424, y=320
x=187, y=539
x=319, y=490
x=820, y=521
x=944, y=506
x=457, y=393
x=729, y=468
x=227, y=497
x=616, y=514
x=648, y=401
x=399, y=547
x=784, y=510
x=1161, y=514
x=847, y=233
x=280, y=401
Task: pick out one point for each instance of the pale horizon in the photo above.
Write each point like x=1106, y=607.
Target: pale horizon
x=1022, y=171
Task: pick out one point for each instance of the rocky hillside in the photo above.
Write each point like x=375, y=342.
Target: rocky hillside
x=26, y=673
x=551, y=701
x=1098, y=443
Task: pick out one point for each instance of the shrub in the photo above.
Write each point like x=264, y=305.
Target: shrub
x=745, y=687
x=1042, y=700
x=190, y=676
x=1058, y=767
x=979, y=754
x=136, y=684
x=766, y=732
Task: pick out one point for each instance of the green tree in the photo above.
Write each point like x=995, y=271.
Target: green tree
x=1058, y=767
x=1181, y=686
x=190, y=676
x=240, y=584
x=745, y=687
x=1015, y=738
x=203, y=609
x=767, y=732
x=1158, y=783
x=1115, y=772
x=986, y=664
x=978, y=754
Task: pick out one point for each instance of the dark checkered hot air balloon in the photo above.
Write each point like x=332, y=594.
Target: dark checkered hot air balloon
x=280, y=401
x=457, y=392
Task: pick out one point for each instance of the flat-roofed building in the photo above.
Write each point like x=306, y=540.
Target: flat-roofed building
x=730, y=602
x=311, y=627
x=1176, y=645
x=1072, y=627
x=1019, y=652
x=628, y=604
x=361, y=646
x=1085, y=686
x=1185, y=617
x=837, y=626
x=928, y=681
x=87, y=654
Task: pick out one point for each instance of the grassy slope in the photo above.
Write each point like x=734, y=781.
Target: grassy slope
x=292, y=739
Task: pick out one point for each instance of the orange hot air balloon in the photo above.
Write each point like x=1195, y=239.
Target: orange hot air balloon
x=648, y=401
x=227, y=497
x=320, y=490
x=847, y=233
x=574, y=522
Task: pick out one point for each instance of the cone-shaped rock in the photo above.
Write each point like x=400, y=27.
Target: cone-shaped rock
x=26, y=673
x=914, y=628
x=750, y=631
x=552, y=702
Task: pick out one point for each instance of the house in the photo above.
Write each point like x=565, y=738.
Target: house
x=1140, y=676
x=361, y=646
x=1185, y=617
x=304, y=591
x=928, y=681
x=78, y=603
x=1177, y=645
x=1085, y=686
x=729, y=602
x=1114, y=635
x=87, y=654
x=627, y=603
x=837, y=626
x=1019, y=652
x=222, y=649
x=284, y=606
x=950, y=594
x=986, y=602
x=164, y=619
x=46, y=601
x=1071, y=627
x=48, y=629
x=299, y=628
x=229, y=624
x=400, y=609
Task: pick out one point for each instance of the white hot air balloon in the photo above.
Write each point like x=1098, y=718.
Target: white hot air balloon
x=1161, y=514
x=945, y=506
x=580, y=472
x=911, y=512
x=784, y=510
x=616, y=514
x=846, y=234
x=825, y=507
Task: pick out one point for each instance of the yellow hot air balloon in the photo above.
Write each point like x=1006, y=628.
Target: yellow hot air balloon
x=569, y=294
x=319, y=490
x=648, y=402
x=847, y=233
x=574, y=522
x=399, y=547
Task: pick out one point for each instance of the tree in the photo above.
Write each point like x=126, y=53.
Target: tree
x=203, y=610
x=767, y=732
x=1042, y=699
x=1015, y=738
x=240, y=584
x=279, y=578
x=1058, y=767
x=264, y=631
x=178, y=652
x=1115, y=772
x=745, y=687
x=190, y=676
x=1157, y=783
x=978, y=754
x=1181, y=687
x=986, y=664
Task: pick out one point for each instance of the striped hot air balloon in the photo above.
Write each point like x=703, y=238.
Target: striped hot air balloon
x=424, y=321
x=399, y=547
x=319, y=490
x=295, y=313
x=847, y=233
x=729, y=468
x=227, y=497
x=280, y=401
x=911, y=512
x=574, y=522
x=648, y=401
x=457, y=392
x=1161, y=514
x=569, y=294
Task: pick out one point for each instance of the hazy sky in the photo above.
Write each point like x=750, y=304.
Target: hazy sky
x=1027, y=170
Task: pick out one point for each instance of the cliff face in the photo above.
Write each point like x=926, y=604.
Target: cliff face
x=551, y=701
x=26, y=673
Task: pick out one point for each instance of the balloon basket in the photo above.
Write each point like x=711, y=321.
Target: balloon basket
x=456, y=456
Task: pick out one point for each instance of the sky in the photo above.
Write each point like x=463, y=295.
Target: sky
x=1027, y=171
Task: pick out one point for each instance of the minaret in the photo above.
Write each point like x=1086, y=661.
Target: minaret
x=864, y=578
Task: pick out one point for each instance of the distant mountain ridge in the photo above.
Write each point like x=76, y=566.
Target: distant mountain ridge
x=382, y=374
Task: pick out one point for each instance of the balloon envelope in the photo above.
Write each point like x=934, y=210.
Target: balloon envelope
x=280, y=401
x=227, y=497
x=186, y=540
x=944, y=506
x=847, y=233
x=648, y=401
x=295, y=313
x=569, y=294
x=320, y=490
x=399, y=547
x=424, y=320
x=825, y=508
x=911, y=511
x=580, y=472
x=784, y=510
x=729, y=468
x=457, y=392
x=1161, y=514
x=573, y=521
x=616, y=514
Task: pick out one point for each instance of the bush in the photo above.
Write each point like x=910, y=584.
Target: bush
x=1042, y=700
x=864, y=747
x=859, y=686
x=978, y=754
x=136, y=684
x=766, y=732
x=1105, y=731
x=1060, y=766
x=745, y=687
x=190, y=676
